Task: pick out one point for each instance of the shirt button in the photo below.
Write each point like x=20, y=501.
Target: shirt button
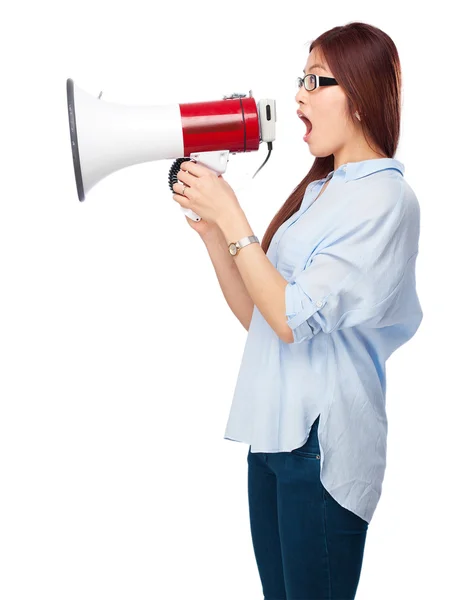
x=319, y=303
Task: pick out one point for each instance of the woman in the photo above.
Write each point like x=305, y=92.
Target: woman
x=325, y=307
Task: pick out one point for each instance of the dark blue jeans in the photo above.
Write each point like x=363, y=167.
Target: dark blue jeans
x=306, y=545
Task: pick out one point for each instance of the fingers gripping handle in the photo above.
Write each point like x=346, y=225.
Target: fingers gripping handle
x=215, y=160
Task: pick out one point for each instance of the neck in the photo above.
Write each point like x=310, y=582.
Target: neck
x=357, y=153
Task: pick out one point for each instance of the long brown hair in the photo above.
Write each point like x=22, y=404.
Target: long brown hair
x=365, y=63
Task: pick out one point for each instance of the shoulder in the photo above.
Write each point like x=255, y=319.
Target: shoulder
x=382, y=193
x=410, y=199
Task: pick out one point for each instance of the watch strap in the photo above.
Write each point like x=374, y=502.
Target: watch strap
x=241, y=243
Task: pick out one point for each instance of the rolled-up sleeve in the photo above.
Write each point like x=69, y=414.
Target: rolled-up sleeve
x=299, y=308
x=356, y=276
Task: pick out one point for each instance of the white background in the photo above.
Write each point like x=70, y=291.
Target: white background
x=118, y=352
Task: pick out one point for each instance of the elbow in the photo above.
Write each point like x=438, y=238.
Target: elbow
x=287, y=335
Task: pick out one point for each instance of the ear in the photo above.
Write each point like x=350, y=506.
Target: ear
x=357, y=115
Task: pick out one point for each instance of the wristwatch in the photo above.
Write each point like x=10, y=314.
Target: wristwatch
x=235, y=247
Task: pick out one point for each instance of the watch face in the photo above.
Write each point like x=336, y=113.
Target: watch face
x=232, y=249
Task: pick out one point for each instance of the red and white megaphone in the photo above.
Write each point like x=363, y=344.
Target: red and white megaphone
x=106, y=136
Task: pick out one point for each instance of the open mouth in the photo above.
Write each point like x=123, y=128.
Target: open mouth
x=309, y=126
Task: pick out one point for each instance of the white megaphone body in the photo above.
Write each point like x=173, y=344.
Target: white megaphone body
x=106, y=136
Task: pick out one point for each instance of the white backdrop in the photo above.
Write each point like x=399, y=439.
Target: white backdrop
x=118, y=352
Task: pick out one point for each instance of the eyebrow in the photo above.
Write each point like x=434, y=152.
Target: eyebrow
x=319, y=66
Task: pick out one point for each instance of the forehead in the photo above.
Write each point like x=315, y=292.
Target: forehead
x=316, y=62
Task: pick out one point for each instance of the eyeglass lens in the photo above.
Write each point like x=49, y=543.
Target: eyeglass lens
x=310, y=82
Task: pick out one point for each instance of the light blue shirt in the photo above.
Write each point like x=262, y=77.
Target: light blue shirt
x=349, y=259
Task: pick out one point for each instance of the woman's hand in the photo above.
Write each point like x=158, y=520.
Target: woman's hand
x=205, y=193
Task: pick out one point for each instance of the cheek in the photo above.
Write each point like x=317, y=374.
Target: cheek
x=332, y=104
x=328, y=116
x=323, y=110
x=322, y=119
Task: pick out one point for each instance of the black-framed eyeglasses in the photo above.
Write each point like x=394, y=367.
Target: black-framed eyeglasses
x=312, y=81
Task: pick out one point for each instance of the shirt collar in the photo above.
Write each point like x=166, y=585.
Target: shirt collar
x=355, y=170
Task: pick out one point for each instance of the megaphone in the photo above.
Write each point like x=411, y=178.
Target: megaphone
x=106, y=136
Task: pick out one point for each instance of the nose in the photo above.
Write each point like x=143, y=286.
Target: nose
x=300, y=94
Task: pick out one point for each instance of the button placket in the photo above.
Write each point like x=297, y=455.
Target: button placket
x=329, y=177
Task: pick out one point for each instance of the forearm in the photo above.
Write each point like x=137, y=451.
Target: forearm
x=229, y=278
x=263, y=282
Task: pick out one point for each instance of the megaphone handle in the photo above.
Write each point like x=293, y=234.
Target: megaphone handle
x=216, y=160
x=190, y=214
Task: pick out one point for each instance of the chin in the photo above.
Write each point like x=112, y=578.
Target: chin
x=319, y=152
x=315, y=150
